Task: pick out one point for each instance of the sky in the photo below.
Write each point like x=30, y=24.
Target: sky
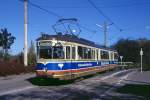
x=130, y=15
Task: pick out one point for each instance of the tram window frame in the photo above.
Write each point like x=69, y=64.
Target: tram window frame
x=56, y=54
x=80, y=52
x=44, y=53
x=104, y=54
x=49, y=53
x=73, y=53
x=84, y=53
x=111, y=55
x=93, y=54
x=38, y=52
x=68, y=54
x=89, y=53
x=97, y=54
x=116, y=56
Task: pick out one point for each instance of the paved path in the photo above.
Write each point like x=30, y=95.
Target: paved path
x=15, y=83
x=140, y=78
x=95, y=88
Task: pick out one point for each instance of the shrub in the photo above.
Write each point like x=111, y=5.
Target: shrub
x=11, y=68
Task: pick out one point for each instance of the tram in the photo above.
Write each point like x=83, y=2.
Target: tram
x=68, y=57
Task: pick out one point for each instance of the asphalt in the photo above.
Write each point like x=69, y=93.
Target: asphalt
x=99, y=87
x=139, y=78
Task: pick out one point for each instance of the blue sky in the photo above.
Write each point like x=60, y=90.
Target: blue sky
x=130, y=15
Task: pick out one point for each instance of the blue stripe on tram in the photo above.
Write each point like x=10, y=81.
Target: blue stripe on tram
x=71, y=65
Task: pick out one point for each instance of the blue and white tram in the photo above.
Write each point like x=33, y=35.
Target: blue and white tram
x=68, y=57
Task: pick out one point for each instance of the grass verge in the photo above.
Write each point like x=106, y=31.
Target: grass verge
x=136, y=89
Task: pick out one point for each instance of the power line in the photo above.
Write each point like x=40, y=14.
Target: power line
x=104, y=15
x=111, y=6
x=127, y=5
x=90, y=30
x=43, y=9
x=55, y=14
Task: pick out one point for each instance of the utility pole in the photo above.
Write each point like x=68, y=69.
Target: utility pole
x=105, y=34
x=105, y=27
x=25, y=34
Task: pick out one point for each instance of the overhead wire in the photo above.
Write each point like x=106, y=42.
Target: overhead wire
x=43, y=9
x=90, y=30
x=104, y=15
x=111, y=6
x=96, y=7
x=57, y=15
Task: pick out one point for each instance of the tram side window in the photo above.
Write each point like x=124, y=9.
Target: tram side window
x=55, y=52
x=115, y=55
x=84, y=53
x=73, y=52
x=89, y=53
x=67, y=52
x=45, y=53
x=58, y=52
x=80, y=52
x=104, y=55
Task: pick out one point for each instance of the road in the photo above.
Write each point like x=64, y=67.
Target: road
x=98, y=87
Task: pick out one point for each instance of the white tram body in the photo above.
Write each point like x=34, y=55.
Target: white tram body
x=67, y=57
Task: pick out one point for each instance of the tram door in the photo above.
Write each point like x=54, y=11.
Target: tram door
x=70, y=57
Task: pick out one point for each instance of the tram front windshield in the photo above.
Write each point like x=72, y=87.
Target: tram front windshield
x=55, y=52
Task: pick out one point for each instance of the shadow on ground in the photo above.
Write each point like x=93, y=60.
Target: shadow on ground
x=75, y=92
x=55, y=89
x=39, y=81
x=84, y=92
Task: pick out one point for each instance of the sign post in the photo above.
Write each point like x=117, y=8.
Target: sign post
x=121, y=57
x=141, y=53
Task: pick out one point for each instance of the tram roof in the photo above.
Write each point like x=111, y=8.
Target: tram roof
x=73, y=38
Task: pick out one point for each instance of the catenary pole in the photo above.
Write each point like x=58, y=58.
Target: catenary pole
x=105, y=27
x=25, y=34
x=105, y=34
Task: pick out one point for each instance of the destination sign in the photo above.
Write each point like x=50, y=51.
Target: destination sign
x=84, y=65
x=45, y=43
x=104, y=62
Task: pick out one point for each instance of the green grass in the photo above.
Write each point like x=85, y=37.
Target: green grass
x=39, y=81
x=136, y=89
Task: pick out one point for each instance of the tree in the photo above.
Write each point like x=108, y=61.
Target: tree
x=130, y=49
x=6, y=40
x=145, y=45
x=1, y=54
x=31, y=54
x=20, y=58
